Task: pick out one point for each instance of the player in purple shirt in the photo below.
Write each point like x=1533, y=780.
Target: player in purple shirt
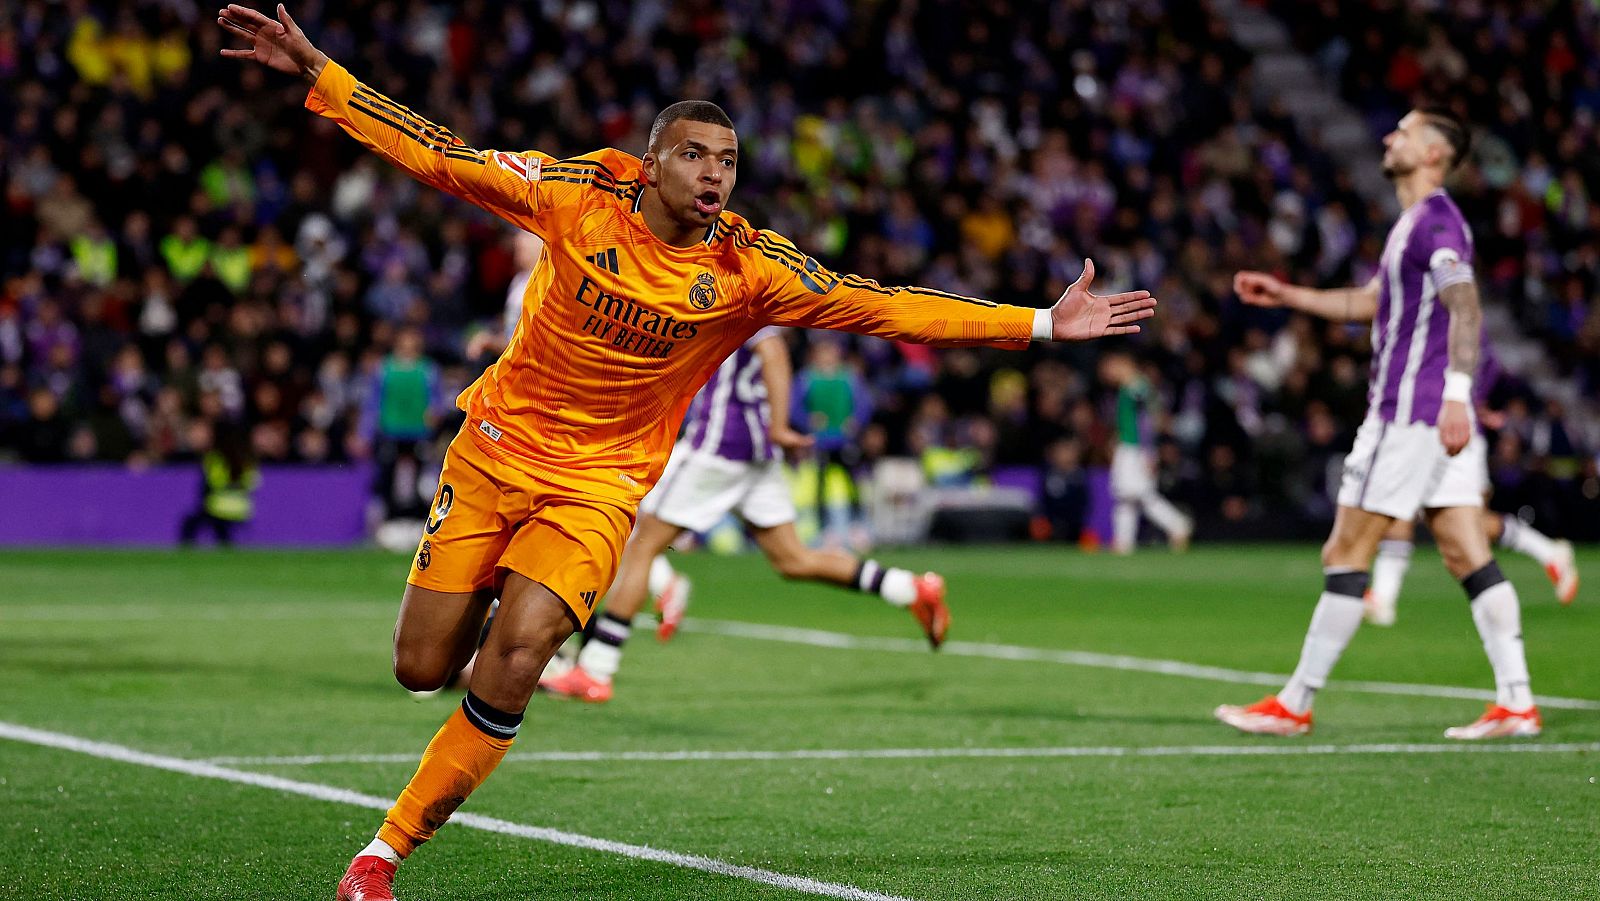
x=730, y=459
x=1418, y=450
x=1394, y=551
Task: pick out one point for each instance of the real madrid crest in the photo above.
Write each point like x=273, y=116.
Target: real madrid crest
x=703, y=293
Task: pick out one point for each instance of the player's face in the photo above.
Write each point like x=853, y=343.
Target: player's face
x=1407, y=147
x=695, y=170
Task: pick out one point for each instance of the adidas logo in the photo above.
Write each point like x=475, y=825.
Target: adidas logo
x=588, y=598
x=606, y=259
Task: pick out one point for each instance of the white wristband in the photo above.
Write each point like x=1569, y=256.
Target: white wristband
x=1457, y=386
x=1044, y=327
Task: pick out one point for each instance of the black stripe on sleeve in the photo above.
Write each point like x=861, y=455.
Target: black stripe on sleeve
x=451, y=153
x=929, y=292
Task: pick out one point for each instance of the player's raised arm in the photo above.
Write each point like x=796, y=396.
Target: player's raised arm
x=502, y=183
x=801, y=292
x=1260, y=289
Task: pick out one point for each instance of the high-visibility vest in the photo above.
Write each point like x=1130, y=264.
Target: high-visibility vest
x=227, y=498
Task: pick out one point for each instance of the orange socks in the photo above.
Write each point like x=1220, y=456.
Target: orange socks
x=463, y=753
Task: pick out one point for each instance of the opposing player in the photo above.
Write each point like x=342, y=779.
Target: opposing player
x=1133, y=481
x=1394, y=551
x=646, y=285
x=1417, y=449
x=730, y=460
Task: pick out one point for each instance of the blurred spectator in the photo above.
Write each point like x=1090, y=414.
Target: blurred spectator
x=402, y=408
x=229, y=478
x=830, y=399
x=1065, y=492
x=43, y=436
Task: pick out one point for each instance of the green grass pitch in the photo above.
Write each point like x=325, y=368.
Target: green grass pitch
x=269, y=655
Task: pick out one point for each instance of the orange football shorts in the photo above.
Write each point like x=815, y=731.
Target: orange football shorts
x=492, y=515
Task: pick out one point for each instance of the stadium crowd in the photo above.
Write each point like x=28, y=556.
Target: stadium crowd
x=185, y=248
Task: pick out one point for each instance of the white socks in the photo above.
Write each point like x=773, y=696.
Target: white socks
x=1389, y=570
x=1525, y=539
x=380, y=848
x=1498, y=617
x=602, y=653
x=1335, y=621
x=1165, y=516
x=661, y=574
x=1124, y=526
x=1495, y=611
x=1125, y=520
x=897, y=586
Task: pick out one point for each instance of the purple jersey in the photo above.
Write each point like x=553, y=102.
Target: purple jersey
x=1428, y=249
x=730, y=417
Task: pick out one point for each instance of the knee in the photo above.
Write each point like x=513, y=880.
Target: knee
x=419, y=672
x=520, y=663
x=1457, y=560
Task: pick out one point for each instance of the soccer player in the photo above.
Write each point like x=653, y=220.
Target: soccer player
x=730, y=460
x=1417, y=449
x=645, y=286
x=1394, y=551
x=1133, y=482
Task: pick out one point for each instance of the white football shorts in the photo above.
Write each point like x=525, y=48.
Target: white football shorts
x=1399, y=470
x=1132, y=472
x=697, y=489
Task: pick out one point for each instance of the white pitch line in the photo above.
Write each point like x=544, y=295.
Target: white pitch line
x=122, y=754
x=1259, y=750
x=840, y=640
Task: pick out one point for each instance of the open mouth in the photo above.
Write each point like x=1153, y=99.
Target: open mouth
x=708, y=204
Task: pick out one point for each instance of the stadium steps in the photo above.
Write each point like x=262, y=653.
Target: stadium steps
x=1282, y=72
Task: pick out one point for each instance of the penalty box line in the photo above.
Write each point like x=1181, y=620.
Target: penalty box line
x=203, y=770
x=818, y=638
x=1273, y=750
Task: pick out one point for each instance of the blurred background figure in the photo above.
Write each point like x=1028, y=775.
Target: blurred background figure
x=1133, y=474
x=831, y=400
x=402, y=410
x=229, y=478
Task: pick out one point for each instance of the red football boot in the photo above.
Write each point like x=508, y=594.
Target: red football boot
x=670, y=605
x=370, y=878
x=929, y=608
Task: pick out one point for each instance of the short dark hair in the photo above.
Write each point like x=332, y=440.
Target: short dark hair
x=693, y=111
x=1454, y=129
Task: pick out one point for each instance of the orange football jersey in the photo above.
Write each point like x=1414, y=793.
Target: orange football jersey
x=619, y=329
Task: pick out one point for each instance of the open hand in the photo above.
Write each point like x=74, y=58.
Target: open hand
x=277, y=44
x=1081, y=316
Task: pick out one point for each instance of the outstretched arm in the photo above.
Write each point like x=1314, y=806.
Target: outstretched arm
x=801, y=292
x=502, y=183
x=1341, y=304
